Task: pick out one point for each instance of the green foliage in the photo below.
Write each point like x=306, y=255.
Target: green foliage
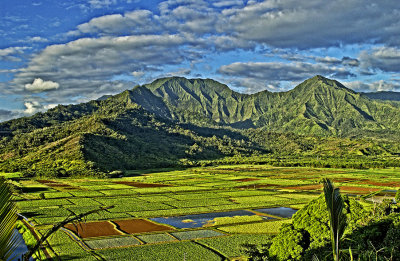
x=290, y=243
x=179, y=122
x=337, y=219
x=397, y=197
x=379, y=238
x=156, y=238
x=188, y=251
x=268, y=227
x=232, y=245
x=312, y=221
x=187, y=235
x=8, y=218
x=112, y=242
x=67, y=249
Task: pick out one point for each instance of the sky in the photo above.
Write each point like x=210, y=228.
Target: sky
x=66, y=52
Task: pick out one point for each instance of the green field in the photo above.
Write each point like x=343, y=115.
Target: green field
x=191, y=191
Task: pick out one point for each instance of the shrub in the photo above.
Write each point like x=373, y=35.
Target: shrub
x=290, y=243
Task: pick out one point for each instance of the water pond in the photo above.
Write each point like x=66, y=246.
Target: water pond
x=279, y=212
x=21, y=248
x=199, y=220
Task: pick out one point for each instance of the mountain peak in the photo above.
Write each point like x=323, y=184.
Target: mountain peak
x=321, y=83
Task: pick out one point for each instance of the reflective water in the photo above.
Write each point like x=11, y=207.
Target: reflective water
x=279, y=212
x=198, y=220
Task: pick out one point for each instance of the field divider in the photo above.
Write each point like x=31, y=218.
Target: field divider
x=174, y=237
x=77, y=239
x=35, y=233
x=117, y=227
x=212, y=250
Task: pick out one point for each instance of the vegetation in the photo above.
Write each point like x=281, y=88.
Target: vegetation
x=337, y=219
x=8, y=218
x=175, y=122
x=242, y=187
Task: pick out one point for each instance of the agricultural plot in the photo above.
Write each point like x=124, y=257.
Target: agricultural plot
x=179, y=215
x=112, y=242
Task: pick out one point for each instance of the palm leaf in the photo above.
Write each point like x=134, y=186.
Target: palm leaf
x=337, y=219
x=8, y=217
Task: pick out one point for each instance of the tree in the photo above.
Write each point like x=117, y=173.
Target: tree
x=9, y=240
x=397, y=197
x=337, y=219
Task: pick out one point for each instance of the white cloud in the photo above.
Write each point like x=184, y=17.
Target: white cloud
x=375, y=86
x=32, y=107
x=10, y=53
x=257, y=76
x=383, y=58
x=278, y=71
x=86, y=67
x=315, y=23
x=37, y=39
x=39, y=85
x=97, y=4
x=228, y=3
x=327, y=59
x=138, y=21
x=138, y=74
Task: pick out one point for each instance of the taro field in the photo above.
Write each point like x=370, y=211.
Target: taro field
x=203, y=213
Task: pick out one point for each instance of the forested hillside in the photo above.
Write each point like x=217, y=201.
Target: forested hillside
x=176, y=121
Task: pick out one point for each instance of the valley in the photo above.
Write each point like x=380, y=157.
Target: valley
x=219, y=208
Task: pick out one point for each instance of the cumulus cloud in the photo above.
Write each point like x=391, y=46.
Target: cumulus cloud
x=138, y=74
x=228, y=3
x=6, y=115
x=37, y=39
x=39, y=85
x=383, y=58
x=99, y=59
x=277, y=71
x=317, y=23
x=32, y=107
x=97, y=4
x=10, y=53
x=185, y=32
x=375, y=86
x=138, y=21
x=257, y=76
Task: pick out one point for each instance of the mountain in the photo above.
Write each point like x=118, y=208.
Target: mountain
x=177, y=121
x=317, y=106
x=383, y=95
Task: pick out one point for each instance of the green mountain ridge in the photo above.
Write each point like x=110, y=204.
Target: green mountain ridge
x=317, y=106
x=177, y=121
x=383, y=95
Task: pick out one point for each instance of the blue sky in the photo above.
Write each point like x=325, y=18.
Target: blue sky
x=63, y=52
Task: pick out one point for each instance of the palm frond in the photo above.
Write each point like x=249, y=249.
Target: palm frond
x=8, y=217
x=337, y=219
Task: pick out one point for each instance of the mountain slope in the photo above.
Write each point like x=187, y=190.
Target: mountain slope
x=175, y=121
x=317, y=106
x=383, y=95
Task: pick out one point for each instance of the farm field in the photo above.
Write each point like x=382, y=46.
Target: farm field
x=202, y=213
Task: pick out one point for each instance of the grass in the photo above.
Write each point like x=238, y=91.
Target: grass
x=192, y=191
x=156, y=238
x=267, y=227
x=52, y=195
x=231, y=246
x=112, y=242
x=220, y=221
x=32, y=204
x=195, y=234
x=67, y=249
x=201, y=202
x=188, y=251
